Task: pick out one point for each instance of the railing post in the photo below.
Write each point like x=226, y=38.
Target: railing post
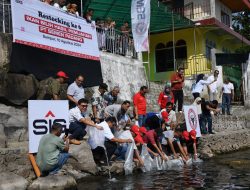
x=3, y=18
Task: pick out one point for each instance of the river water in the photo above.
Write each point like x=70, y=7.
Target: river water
x=228, y=171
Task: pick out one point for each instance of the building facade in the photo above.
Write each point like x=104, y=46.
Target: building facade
x=194, y=48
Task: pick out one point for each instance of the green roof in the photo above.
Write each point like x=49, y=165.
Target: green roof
x=120, y=11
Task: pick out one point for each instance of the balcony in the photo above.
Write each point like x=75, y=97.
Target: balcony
x=195, y=11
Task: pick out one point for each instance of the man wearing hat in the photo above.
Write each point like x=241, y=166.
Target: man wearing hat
x=189, y=142
x=52, y=88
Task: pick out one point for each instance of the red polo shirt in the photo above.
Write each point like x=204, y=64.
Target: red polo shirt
x=179, y=85
x=163, y=99
x=150, y=137
x=140, y=103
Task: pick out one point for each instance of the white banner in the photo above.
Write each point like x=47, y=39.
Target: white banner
x=43, y=26
x=140, y=20
x=42, y=114
x=192, y=119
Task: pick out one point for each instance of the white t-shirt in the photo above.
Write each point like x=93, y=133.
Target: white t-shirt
x=199, y=86
x=107, y=131
x=227, y=88
x=213, y=86
x=171, y=116
x=58, y=6
x=75, y=114
x=76, y=91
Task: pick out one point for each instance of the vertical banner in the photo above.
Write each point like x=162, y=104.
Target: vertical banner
x=42, y=114
x=140, y=20
x=192, y=119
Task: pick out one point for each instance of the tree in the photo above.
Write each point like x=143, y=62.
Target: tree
x=241, y=23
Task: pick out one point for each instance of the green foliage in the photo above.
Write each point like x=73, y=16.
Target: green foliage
x=244, y=49
x=241, y=23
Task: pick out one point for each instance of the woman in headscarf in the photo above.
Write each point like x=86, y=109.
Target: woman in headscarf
x=165, y=96
x=199, y=85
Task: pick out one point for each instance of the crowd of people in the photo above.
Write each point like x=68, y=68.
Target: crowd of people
x=109, y=38
x=164, y=134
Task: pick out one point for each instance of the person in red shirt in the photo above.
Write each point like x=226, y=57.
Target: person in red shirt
x=177, y=82
x=151, y=138
x=189, y=142
x=165, y=96
x=140, y=105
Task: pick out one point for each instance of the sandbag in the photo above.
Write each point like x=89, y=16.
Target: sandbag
x=128, y=165
x=175, y=163
x=146, y=159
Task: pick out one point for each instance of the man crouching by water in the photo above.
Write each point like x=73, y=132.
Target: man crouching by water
x=52, y=151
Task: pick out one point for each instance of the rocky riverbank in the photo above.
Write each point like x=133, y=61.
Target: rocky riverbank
x=233, y=133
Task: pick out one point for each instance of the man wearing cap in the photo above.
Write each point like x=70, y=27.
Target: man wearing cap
x=189, y=142
x=140, y=105
x=51, y=88
x=75, y=91
x=111, y=97
x=98, y=103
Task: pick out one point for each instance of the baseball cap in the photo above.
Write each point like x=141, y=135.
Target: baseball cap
x=185, y=135
x=143, y=130
x=135, y=129
x=164, y=115
x=61, y=74
x=138, y=139
x=193, y=134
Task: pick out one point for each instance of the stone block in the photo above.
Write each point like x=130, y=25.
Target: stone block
x=54, y=182
x=82, y=158
x=11, y=181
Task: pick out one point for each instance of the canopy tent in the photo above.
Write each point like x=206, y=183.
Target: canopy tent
x=162, y=17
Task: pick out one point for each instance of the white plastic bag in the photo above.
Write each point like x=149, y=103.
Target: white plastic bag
x=128, y=165
x=198, y=160
x=96, y=137
x=164, y=164
x=146, y=159
x=189, y=162
x=175, y=164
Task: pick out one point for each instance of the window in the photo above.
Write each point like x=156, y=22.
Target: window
x=209, y=46
x=225, y=18
x=160, y=58
x=181, y=53
x=170, y=56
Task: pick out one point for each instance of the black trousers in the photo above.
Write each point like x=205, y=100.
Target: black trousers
x=99, y=152
x=178, y=96
x=77, y=130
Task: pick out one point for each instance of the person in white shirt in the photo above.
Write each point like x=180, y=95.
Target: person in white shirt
x=110, y=143
x=78, y=122
x=61, y=5
x=212, y=88
x=199, y=85
x=227, y=97
x=75, y=91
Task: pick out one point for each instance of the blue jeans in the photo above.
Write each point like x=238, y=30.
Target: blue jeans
x=206, y=120
x=226, y=101
x=121, y=150
x=141, y=120
x=62, y=159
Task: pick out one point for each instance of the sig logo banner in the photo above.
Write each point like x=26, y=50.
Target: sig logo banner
x=42, y=115
x=192, y=119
